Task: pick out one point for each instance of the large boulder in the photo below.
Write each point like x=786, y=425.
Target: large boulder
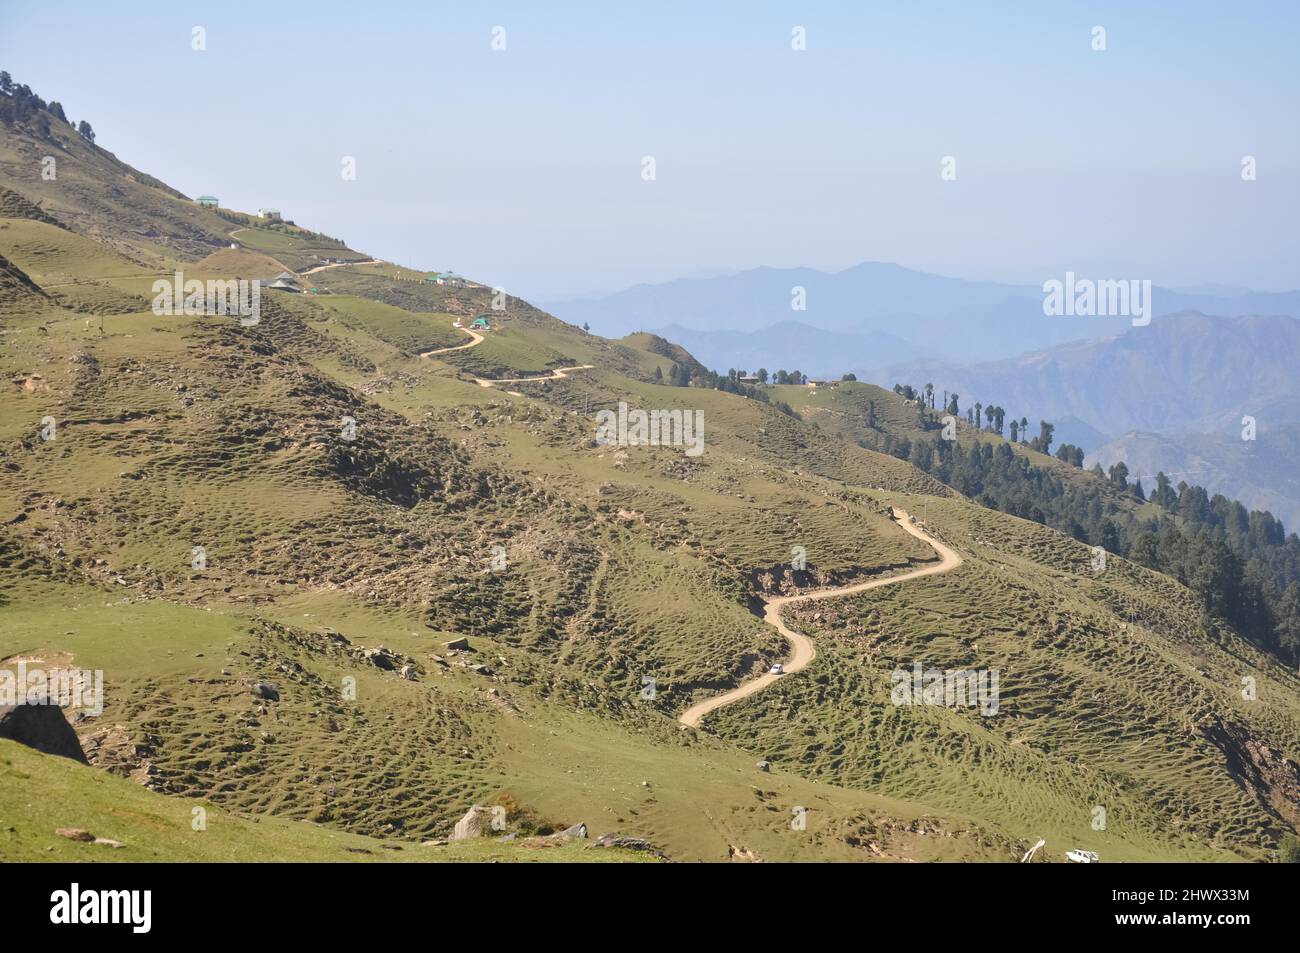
x=381, y=657
x=476, y=823
x=42, y=727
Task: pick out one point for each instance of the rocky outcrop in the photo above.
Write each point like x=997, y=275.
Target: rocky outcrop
x=629, y=843
x=16, y=205
x=113, y=749
x=17, y=289
x=1270, y=777
x=85, y=837
x=381, y=657
x=42, y=727
x=476, y=823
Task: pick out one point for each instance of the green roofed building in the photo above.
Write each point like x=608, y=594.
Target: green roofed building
x=208, y=201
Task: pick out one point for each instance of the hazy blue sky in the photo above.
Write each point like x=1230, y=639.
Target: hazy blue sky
x=523, y=167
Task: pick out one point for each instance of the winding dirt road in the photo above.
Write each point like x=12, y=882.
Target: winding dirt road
x=340, y=264
x=558, y=374
x=555, y=375
x=478, y=339
x=309, y=271
x=804, y=652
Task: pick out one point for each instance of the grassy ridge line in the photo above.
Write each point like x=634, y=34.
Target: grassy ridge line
x=103, y=198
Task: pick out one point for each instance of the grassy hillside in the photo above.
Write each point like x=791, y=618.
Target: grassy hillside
x=339, y=562
x=1110, y=696
x=43, y=794
x=177, y=432
x=92, y=192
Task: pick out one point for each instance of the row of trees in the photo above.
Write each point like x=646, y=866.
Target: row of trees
x=1242, y=564
x=20, y=106
x=780, y=377
x=683, y=375
x=991, y=418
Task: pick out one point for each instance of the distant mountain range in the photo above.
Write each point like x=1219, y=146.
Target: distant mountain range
x=1187, y=373
x=940, y=318
x=791, y=345
x=1170, y=396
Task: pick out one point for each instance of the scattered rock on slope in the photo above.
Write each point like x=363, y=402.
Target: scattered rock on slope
x=85, y=837
x=629, y=843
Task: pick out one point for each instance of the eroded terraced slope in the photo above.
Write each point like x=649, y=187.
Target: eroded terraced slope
x=272, y=539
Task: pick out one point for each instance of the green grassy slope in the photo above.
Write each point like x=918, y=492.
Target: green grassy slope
x=42, y=794
x=95, y=194
x=1110, y=697
x=621, y=564
x=176, y=432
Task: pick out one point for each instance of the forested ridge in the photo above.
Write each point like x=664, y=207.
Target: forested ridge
x=1242, y=563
